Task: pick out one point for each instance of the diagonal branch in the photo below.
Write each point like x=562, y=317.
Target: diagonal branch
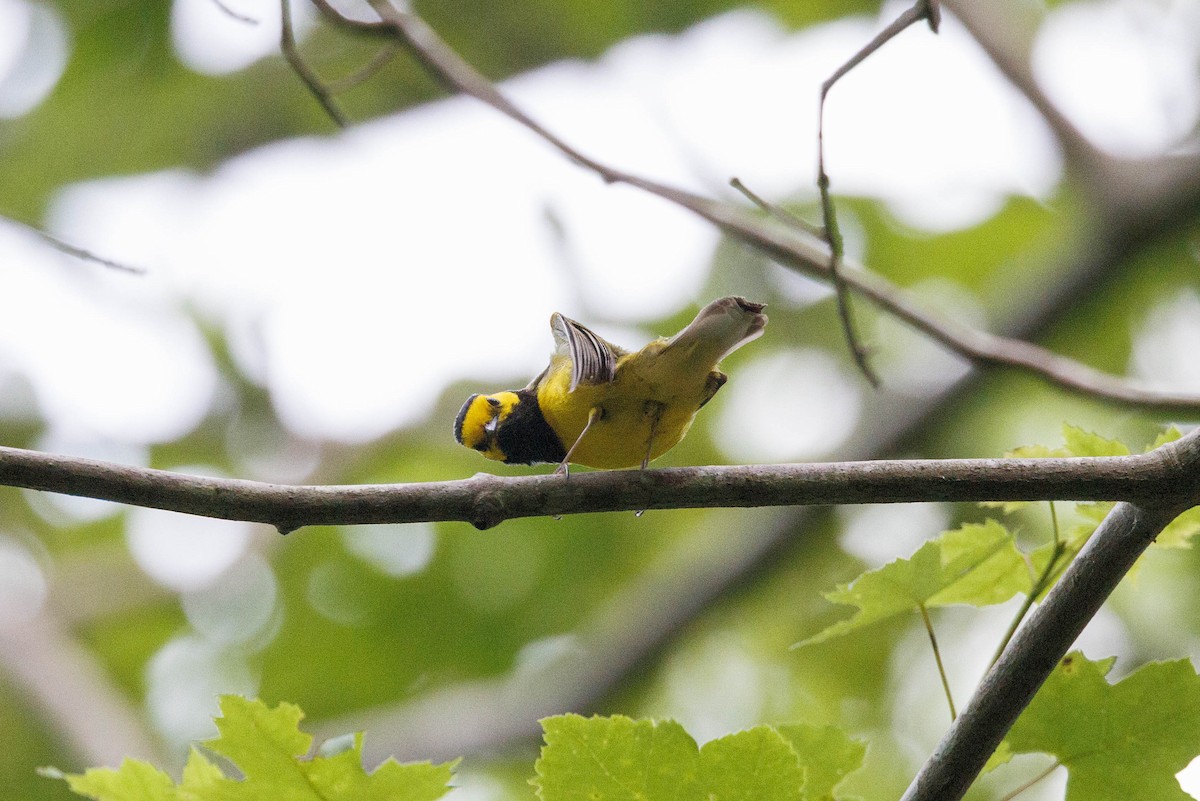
x=74, y=251
x=1012, y=681
x=486, y=500
x=797, y=250
x=1006, y=32
x=1044, y=639
x=74, y=693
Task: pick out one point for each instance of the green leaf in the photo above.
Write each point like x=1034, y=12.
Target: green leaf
x=827, y=754
x=1086, y=443
x=1179, y=532
x=264, y=743
x=341, y=776
x=200, y=774
x=268, y=748
x=1001, y=756
x=133, y=781
x=1117, y=741
x=977, y=564
x=619, y=759
x=1076, y=442
x=1036, y=452
x=753, y=765
x=616, y=759
x=1170, y=434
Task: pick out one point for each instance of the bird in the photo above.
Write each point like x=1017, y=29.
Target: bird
x=601, y=406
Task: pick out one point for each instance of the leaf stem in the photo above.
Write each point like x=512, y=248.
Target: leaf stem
x=1045, y=773
x=1038, y=587
x=937, y=656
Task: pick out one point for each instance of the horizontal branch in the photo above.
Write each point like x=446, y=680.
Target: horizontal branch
x=486, y=500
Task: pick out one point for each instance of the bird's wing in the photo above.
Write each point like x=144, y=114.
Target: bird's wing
x=593, y=361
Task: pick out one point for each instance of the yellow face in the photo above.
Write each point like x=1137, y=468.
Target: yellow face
x=480, y=418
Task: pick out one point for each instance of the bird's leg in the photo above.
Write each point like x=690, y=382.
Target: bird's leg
x=597, y=413
x=653, y=409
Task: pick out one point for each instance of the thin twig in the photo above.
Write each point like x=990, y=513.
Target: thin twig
x=833, y=236
x=287, y=43
x=781, y=214
x=77, y=252
x=229, y=12
x=937, y=657
x=790, y=247
x=1032, y=782
x=367, y=71
x=1039, y=586
x=923, y=9
x=1007, y=32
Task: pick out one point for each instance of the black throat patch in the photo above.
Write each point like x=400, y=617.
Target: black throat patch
x=525, y=437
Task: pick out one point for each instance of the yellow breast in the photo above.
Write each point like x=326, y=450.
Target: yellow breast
x=649, y=397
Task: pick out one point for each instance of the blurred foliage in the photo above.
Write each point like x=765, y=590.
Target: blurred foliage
x=349, y=637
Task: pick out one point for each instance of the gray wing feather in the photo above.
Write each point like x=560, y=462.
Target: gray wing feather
x=593, y=361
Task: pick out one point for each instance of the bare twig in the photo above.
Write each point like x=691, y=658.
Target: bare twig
x=783, y=215
x=287, y=43
x=367, y=71
x=1037, y=588
x=486, y=500
x=1024, y=665
x=1006, y=32
x=937, y=657
x=790, y=247
x=831, y=233
x=77, y=252
x=1045, y=774
x=229, y=12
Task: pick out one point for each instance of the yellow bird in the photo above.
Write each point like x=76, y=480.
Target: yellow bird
x=598, y=405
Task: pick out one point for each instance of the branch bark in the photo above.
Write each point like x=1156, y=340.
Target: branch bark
x=1027, y=662
x=487, y=500
x=1046, y=636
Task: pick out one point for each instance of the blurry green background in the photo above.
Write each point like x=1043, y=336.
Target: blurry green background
x=119, y=627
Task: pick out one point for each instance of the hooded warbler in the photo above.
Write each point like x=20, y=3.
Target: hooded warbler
x=599, y=405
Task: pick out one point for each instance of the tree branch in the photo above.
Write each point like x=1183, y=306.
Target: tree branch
x=1011, y=683
x=92, y=717
x=1027, y=661
x=287, y=44
x=487, y=500
x=831, y=232
x=73, y=251
x=796, y=249
x=1006, y=32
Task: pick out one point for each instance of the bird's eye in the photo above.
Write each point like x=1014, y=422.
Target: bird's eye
x=481, y=446
x=495, y=402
